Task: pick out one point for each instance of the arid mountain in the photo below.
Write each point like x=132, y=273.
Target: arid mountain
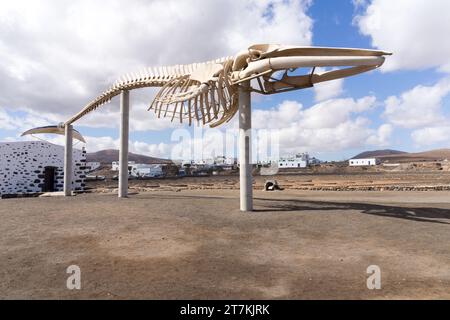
x=394, y=156
x=108, y=156
x=433, y=155
x=378, y=153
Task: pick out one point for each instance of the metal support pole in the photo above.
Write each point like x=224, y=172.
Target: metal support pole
x=124, y=135
x=245, y=146
x=68, y=161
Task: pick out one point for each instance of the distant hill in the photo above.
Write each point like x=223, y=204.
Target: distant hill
x=378, y=153
x=393, y=156
x=108, y=156
x=433, y=155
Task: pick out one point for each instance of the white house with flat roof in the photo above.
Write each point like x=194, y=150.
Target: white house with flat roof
x=115, y=165
x=297, y=161
x=147, y=170
x=363, y=162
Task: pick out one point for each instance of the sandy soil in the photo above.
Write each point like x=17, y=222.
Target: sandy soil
x=197, y=245
x=369, y=181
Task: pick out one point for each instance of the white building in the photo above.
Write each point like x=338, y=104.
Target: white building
x=363, y=162
x=37, y=166
x=297, y=161
x=217, y=161
x=224, y=161
x=92, y=166
x=147, y=170
x=115, y=165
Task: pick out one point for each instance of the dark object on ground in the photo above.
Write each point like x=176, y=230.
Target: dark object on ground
x=130, y=177
x=20, y=195
x=95, y=178
x=272, y=185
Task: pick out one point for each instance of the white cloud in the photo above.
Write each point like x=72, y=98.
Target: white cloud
x=332, y=113
x=140, y=119
x=6, y=121
x=55, y=56
x=335, y=124
x=418, y=107
x=328, y=90
x=359, y=3
x=382, y=136
x=158, y=150
x=94, y=144
x=430, y=136
x=414, y=30
x=109, y=117
x=282, y=116
x=9, y=121
x=332, y=125
x=103, y=143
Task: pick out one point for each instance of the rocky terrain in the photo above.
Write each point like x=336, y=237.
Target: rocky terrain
x=368, y=181
x=399, y=171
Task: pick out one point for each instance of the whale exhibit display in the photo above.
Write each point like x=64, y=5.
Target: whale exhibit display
x=212, y=93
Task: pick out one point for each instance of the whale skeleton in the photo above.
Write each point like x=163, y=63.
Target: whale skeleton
x=211, y=93
x=59, y=130
x=208, y=92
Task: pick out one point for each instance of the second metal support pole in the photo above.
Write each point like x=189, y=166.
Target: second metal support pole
x=124, y=136
x=245, y=147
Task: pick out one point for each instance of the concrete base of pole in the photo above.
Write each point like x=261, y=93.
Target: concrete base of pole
x=124, y=135
x=68, y=161
x=245, y=146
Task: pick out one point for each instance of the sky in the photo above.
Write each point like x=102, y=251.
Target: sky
x=56, y=56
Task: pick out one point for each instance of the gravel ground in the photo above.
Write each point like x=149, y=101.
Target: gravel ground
x=197, y=245
x=300, y=181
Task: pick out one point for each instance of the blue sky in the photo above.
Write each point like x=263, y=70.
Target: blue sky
x=334, y=26
x=50, y=72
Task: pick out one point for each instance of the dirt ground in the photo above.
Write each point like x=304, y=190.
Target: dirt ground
x=197, y=245
x=368, y=181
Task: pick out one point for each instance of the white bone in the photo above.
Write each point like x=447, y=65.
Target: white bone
x=183, y=84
